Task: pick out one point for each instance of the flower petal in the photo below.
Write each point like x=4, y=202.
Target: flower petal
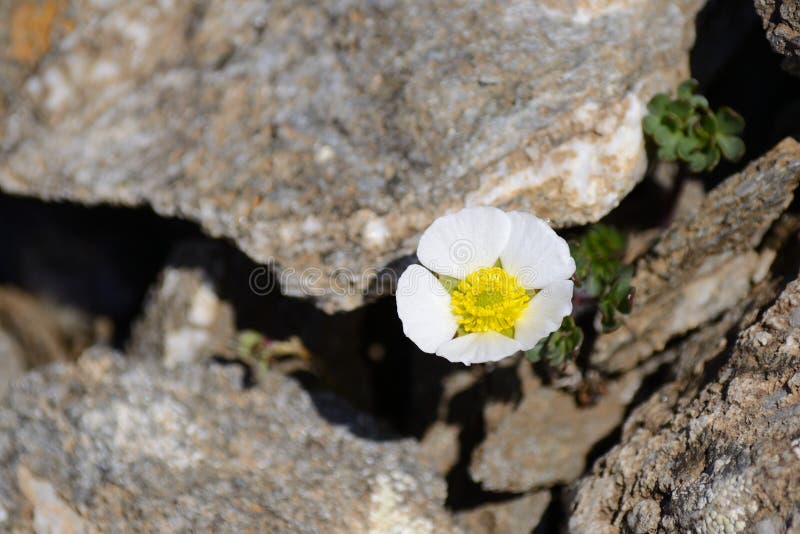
x=535, y=254
x=478, y=348
x=544, y=314
x=460, y=243
x=423, y=305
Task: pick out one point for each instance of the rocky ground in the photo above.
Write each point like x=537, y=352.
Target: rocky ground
x=178, y=176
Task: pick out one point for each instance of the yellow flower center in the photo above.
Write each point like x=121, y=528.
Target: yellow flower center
x=489, y=299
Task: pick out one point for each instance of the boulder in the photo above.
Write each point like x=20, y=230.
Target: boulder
x=716, y=448
x=323, y=137
x=706, y=261
x=116, y=444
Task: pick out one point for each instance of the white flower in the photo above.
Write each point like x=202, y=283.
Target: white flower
x=495, y=283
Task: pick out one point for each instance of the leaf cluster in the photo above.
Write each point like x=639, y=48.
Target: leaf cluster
x=600, y=273
x=685, y=128
x=560, y=346
x=602, y=277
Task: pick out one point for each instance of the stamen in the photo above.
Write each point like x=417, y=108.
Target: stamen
x=489, y=299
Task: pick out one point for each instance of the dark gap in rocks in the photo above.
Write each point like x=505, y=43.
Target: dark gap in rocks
x=99, y=259
x=785, y=237
x=362, y=355
x=407, y=383
x=102, y=260
x=256, y=297
x=554, y=518
x=652, y=382
x=784, y=270
x=499, y=383
x=649, y=386
x=604, y=445
x=736, y=67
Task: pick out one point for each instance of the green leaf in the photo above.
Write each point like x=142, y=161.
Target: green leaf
x=604, y=241
x=627, y=304
x=667, y=153
x=687, y=145
x=673, y=122
x=687, y=89
x=680, y=108
x=699, y=101
x=729, y=122
x=709, y=123
x=450, y=283
x=536, y=353
x=658, y=104
x=731, y=146
x=561, y=345
x=608, y=319
x=665, y=137
x=713, y=157
x=697, y=162
x=699, y=130
x=618, y=293
x=650, y=123
x=248, y=343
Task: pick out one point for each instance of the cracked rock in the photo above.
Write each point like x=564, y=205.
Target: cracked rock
x=716, y=448
x=705, y=262
x=323, y=137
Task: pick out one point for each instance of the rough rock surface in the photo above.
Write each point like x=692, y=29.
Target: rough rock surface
x=716, y=449
x=546, y=439
x=705, y=262
x=327, y=135
x=113, y=445
x=12, y=361
x=184, y=320
x=781, y=19
x=516, y=516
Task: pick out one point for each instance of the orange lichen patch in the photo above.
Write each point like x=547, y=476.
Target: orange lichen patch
x=31, y=29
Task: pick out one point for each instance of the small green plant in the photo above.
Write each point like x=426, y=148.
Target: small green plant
x=603, y=280
x=599, y=272
x=560, y=346
x=686, y=129
x=257, y=351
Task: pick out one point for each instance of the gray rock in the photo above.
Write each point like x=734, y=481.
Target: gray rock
x=117, y=445
x=324, y=136
x=715, y=449
x=184, y=320
x=781, y=20
x=706, y=261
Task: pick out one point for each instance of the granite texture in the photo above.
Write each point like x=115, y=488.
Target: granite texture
x=716, y=448
x=118, y=445
x=706, y=261
x=323, y=137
